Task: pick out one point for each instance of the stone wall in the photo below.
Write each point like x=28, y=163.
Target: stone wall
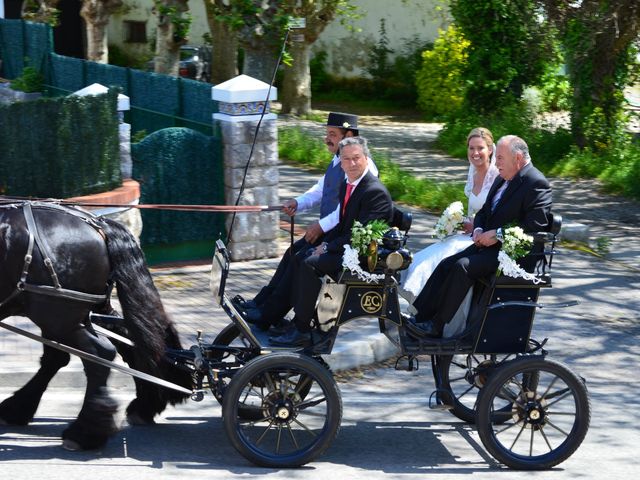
x=254, y=234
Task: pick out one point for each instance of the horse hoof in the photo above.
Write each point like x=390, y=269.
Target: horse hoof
x=71, y=446
x=136, y=419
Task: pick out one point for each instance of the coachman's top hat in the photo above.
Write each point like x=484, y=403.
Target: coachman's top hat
x=343, y=120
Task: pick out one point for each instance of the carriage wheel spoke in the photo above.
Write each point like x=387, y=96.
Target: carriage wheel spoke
x=264, y=433
x=517, y=437
x=531, y=443
x=554, y=426
x=293, y=438
x=553, y=382
x=306, y=380
x=471, y=387
x=278, y=439
x=544, y=435
x=311, y=403
x=564, y=393
x=305, y=427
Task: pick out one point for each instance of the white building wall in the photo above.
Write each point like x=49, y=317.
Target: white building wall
x=142, y=11
x=347, y=50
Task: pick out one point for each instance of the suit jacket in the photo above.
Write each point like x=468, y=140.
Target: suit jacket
x=525, y=202
x=370, y=200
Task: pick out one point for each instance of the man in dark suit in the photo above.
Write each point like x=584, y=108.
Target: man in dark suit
x=520, y=195
x=362, y=198
x=323, y=193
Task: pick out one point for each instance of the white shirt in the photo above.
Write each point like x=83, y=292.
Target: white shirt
x=312, y=197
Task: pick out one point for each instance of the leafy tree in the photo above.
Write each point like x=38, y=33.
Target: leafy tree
x=174, y=21
x=224, y=56
x=261, y=26
x=509, y=48
x=96, y=14
x=599, y=38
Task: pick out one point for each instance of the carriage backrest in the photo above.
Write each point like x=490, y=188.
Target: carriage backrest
x=401, y=220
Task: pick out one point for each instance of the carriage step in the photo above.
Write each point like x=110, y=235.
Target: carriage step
x=435, y=402
x=407, y=363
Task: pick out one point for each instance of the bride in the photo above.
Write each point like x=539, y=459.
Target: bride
x=482, y=173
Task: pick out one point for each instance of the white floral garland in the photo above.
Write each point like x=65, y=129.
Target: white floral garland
x=510, y=268
x=351, y=262
x=514, y=241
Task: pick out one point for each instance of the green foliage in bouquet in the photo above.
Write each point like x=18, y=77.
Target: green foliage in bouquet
x=363, y=235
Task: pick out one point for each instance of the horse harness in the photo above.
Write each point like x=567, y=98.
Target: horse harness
x=35, y=239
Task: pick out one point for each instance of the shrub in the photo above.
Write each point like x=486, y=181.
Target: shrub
x=439, y=82
x=31, y=80
x=546, y=145
x=299, y=147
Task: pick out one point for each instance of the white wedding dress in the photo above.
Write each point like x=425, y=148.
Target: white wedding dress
x=426, y=260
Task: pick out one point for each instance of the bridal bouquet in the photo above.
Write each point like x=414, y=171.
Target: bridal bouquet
x=363, y=239
x=450, y=220
x=516, y=244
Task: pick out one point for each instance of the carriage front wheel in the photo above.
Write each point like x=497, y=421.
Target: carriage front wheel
x=546, y=419
x=294, y=428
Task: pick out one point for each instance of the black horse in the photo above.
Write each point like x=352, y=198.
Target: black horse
x=57, y=264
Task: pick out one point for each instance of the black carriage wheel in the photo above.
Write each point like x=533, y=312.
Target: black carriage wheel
x=293, y=429
x=230, y=335
x=548, y=417
x=464, y=376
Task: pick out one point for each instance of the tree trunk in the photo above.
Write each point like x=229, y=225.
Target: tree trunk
x=96, y=14
x=168, y=38
x=224, y=61
x=260, y=61
x=296, y=86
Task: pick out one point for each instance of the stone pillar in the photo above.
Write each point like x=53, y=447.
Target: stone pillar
x=241, y=102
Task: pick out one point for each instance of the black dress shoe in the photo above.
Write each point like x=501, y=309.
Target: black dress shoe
x=280, y=328
x=243, y=304
x=254, y=317
x=293, y=338
x=423, y=329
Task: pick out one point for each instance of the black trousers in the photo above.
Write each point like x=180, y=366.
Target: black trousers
x=448, y=285
x=307, y=284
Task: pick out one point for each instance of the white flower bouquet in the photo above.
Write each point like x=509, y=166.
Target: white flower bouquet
x=363, y=239
x=516, y=244
x=450, y=220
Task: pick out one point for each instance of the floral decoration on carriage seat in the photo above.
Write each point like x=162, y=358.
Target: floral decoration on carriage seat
x=364, y=241
x=515, y=244
x=450, y=220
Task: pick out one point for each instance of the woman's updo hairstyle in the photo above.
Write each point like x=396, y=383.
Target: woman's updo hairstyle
x=483, y=133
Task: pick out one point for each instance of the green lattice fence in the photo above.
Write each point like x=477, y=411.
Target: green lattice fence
x=23, y=41
x=178, y=166
x=60, y=147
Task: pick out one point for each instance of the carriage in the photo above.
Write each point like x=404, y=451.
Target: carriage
x=281, y=407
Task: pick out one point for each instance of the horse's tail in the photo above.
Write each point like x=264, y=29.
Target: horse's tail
x=146, y=321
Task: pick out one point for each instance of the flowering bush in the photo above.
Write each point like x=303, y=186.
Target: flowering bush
x=450, y=220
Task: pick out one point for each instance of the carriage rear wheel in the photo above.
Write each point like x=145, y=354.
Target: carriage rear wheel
x=533, y=413
x=293, y=429
x=464, y=376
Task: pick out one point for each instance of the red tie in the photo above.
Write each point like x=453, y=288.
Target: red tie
x=347, y=196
